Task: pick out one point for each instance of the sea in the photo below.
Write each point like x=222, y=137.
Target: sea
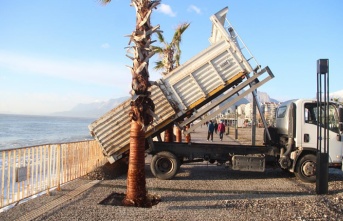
x=30, y=130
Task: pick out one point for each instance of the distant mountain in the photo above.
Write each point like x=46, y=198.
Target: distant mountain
x=92, y=110
x=238, y=103
x=262, y=97
x=97, y=109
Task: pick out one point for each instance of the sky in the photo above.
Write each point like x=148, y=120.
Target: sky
x=57, y=54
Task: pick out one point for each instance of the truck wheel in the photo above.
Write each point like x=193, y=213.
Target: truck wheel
x=164, y=165
x=305, y=169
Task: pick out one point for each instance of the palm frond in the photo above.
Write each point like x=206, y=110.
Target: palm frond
x=177, y=59
x=179, y=31
x=157, y=49
x=177, y=40
x=170, y=52
x=159, y=65
x=160, y=37
x=104, y=1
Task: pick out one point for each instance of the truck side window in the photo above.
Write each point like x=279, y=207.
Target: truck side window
x=306, y=115
x=281, y=112
x=311, y=116
x=310, y=113
x=333, y=119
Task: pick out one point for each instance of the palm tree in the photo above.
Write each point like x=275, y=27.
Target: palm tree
x=142, y=107
x=170, y=54
x=336, y=99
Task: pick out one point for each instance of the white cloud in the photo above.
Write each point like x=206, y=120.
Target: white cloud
x=193, y=8
x=39, y=102
x=105, y=81
x=105, y=45
x=166, y=9
x=80, y=71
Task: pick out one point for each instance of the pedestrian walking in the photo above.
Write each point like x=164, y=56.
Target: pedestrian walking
x=210, y=130
x=215, y=127
x=221, y=129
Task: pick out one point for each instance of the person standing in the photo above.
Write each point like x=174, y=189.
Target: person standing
x=221, y=129
x=210, y=127
x=215, y=127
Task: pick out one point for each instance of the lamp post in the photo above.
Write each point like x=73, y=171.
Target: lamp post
x=228, y=122
x=236, y=123
x=322, y=169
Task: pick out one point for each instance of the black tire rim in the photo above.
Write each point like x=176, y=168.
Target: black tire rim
x=164, y=165
x=308, y=168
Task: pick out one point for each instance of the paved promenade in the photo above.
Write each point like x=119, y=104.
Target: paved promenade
x=200, y=136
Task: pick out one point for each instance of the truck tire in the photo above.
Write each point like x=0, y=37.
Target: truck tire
x=164, y=165
x=305, y=169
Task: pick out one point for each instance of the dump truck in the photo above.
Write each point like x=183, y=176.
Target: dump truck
x=197, y=91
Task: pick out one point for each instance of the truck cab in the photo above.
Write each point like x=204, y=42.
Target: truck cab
x=296, y=134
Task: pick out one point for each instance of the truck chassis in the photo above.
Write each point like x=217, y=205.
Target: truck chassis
x=168, y=157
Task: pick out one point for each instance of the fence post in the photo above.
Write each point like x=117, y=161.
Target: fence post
x=58, y=162
x=49, y=170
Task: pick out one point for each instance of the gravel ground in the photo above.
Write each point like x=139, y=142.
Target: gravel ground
x=200, y=191
x=244, y=135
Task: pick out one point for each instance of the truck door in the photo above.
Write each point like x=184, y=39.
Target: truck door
x=309, y=131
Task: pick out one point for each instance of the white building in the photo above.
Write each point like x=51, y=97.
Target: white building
x=241, y=109
x=248, y=111
x=268, y=111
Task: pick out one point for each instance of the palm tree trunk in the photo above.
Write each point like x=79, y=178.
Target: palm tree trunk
x=169, y=134
x=141, y=104
x=136, y=186
x=188, y=136
x=178, y=135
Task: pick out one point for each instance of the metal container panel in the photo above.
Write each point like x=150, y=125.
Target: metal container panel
x=200, y=77
x=112, y=130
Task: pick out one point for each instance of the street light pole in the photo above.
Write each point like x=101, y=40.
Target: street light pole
x=322, y=169
x=236, y=124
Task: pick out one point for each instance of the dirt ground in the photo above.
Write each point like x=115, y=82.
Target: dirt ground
x=244, y=135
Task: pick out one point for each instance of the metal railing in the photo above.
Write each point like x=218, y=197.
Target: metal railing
x=28, y=171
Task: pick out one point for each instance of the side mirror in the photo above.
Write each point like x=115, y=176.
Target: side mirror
x=340, y=112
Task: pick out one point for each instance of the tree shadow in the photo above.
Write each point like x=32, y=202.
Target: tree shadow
x=117, y=199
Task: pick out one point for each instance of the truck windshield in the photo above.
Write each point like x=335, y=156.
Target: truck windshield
x=311, y=116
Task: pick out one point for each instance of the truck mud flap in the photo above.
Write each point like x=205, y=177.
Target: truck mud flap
x=248, y=163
